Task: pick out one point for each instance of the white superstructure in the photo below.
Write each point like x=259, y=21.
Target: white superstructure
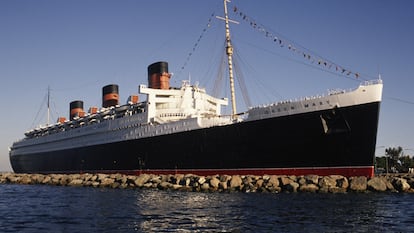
x=175, y=104
x=367, y=92
x=165, y=112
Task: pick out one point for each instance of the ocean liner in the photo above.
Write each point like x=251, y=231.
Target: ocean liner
x=182, y=130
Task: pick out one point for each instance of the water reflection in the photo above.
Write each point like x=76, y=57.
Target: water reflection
x=184, y=211
x=241, y=212
x=69, y=209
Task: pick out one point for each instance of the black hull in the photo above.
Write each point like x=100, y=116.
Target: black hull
x=341, y=140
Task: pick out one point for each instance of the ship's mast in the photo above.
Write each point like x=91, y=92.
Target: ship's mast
x=48, y=106
x=229, y=52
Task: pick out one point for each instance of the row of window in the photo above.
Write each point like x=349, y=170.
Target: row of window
x=293, y=107
x=178, y=114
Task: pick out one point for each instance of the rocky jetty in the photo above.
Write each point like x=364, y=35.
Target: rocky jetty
x=223, y=183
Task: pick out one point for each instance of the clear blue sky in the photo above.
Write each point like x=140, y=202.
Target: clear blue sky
x=77, y=47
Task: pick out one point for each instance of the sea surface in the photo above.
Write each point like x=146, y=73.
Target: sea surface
x=42, y=208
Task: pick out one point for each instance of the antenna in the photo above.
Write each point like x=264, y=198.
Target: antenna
x=379, y=73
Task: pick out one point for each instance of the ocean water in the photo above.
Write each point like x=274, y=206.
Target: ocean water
x=41, y=208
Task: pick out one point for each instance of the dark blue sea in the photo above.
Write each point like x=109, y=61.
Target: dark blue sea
x=41, y=208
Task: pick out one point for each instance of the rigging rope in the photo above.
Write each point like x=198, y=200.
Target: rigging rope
x=36, y=119
x=48, y=102
x=198, y=41
x=218, y=82
x=220, y=76
x=242, y=84
x=307, y=54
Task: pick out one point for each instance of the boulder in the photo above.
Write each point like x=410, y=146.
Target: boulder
x=410, y=181
x=289, y=183
x=327, y=182
x=38, y=178
x=122, y=180
x=223, y=185
x=205, y=187
x=308, y=188
x=123, y=186
x=141, y=180
x=179, y=178
x=401, y=184
x=312, y=179
x=388, y=184
x=358, y=183
x=14, y=179
x=301, y=180
x=101, y=176
x=201, y=180
x=342, y=182
x=214, y=183
x=87, y=177
x=95, y=184
x=46, y=180
x=247, y=179
x=176, y=186
x=149, y=185
x=74, y=177
x=115, y=185
x=236, y=182
x=107, y=182
x=284, y=180
x=187, y=181
x=156, y=179
x=259, y=183
x=165, y=185
x=337, y=190
x=63, y=181
x=26, y=179
x=377, y=184
x=273, y=181
x=292, y=187
x=76, y=182
x=94, y=178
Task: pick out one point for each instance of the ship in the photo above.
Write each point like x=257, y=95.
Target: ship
x=182, y=130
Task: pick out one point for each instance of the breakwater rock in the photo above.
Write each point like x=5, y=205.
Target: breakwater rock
x=223, y=183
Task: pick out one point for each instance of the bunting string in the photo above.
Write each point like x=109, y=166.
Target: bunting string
x=282, y=42
x=198, y=41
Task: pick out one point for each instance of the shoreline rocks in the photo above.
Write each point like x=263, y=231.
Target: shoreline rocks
x=222, y=183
